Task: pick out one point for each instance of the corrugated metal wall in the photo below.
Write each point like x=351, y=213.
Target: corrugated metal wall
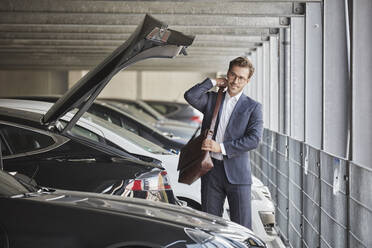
x=321, y=200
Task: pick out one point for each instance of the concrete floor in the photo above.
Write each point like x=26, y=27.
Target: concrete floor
x=276, y=243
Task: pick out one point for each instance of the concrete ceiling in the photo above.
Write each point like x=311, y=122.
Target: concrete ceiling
x=61, y=34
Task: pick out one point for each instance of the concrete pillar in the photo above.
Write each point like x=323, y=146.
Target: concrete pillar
x=274, y=83
x=139, y=85
x=266, y=84
x=156, y=85
x=297, y=92
x=260, y=74
x=251, y=88
x=314, y=75
x=74, y=76
x=362, y=87
x=336, y=79
x=27, y=82
x=122, y=85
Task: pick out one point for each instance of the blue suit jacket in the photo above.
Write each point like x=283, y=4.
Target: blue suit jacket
x=243, y=132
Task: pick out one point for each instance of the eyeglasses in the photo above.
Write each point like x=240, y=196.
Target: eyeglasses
x=232, y=76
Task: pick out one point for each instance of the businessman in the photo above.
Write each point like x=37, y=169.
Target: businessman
x=238, y=130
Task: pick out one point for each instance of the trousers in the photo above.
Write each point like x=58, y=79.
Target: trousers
x=215, y=187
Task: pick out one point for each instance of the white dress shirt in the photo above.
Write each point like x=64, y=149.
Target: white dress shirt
x=228, y=106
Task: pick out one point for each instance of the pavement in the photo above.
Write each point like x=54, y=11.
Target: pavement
x=276, y=243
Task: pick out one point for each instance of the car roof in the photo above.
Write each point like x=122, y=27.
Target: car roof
x=98, y=125
x=166, y=102
x=141, y=103
x=20, y=116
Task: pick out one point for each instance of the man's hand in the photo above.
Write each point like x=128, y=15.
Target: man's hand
x=211, y=145
x=221, y=82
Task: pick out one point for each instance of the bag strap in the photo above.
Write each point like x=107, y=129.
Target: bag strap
x=215, y=112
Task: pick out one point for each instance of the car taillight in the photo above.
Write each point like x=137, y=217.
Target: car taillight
x=196, y=118
x=150, y=181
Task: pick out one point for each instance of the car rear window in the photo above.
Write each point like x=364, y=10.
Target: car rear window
x=163, y=109
x=134, y=110
x=4, y=150
x=20, y=140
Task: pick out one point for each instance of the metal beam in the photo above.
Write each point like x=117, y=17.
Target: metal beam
x=118, y=37
x=218, y=1
x=92, y=59
x=76, y=62
x=78, y=34
x=115, y=37
x=134, y=19
x=127, y=29
x=88, y=56
x=17, y=56
x=227, y=39
x=205, y=68
x=154, y=7
x=11, y=43
x=106, y=50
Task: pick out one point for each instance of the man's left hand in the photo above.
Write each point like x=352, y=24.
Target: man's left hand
x=211, y=145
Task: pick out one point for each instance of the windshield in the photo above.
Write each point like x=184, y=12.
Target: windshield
x=131, y=137
x=133, y=110
x=9, y=186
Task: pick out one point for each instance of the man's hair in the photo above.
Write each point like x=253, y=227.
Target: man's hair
x=242, y=62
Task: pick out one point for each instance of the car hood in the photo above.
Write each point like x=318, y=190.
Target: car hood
x=151, y=39
x=176, y=215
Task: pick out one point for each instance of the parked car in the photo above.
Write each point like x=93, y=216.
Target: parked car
x=63, y=156
x=263, y=209
x=94, y=126
x=31, y=216
x=177, y=111
x=124, y=119
x=166, y=140
x=144, y=112
x=80, y=160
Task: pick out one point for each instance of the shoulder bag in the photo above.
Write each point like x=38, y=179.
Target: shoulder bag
x=195, y=162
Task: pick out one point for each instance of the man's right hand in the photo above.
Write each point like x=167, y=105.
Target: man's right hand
x=221, y=82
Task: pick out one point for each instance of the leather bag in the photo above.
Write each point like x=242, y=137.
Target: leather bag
x=195, y=162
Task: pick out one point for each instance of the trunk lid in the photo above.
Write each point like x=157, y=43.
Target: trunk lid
x=151, y=39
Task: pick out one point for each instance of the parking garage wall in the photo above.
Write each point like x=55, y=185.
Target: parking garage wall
x=321, y=200
x=171, y=86
x=148, y=85
x=318, y=169
x=27, y=82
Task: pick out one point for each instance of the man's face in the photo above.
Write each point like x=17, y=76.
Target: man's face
x=237, y=78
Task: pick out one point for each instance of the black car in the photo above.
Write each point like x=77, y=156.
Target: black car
x=59, y=155
x=31, y=216
x=143, y=111
x=80, y=161
x=121, y=118
x=177, y=111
